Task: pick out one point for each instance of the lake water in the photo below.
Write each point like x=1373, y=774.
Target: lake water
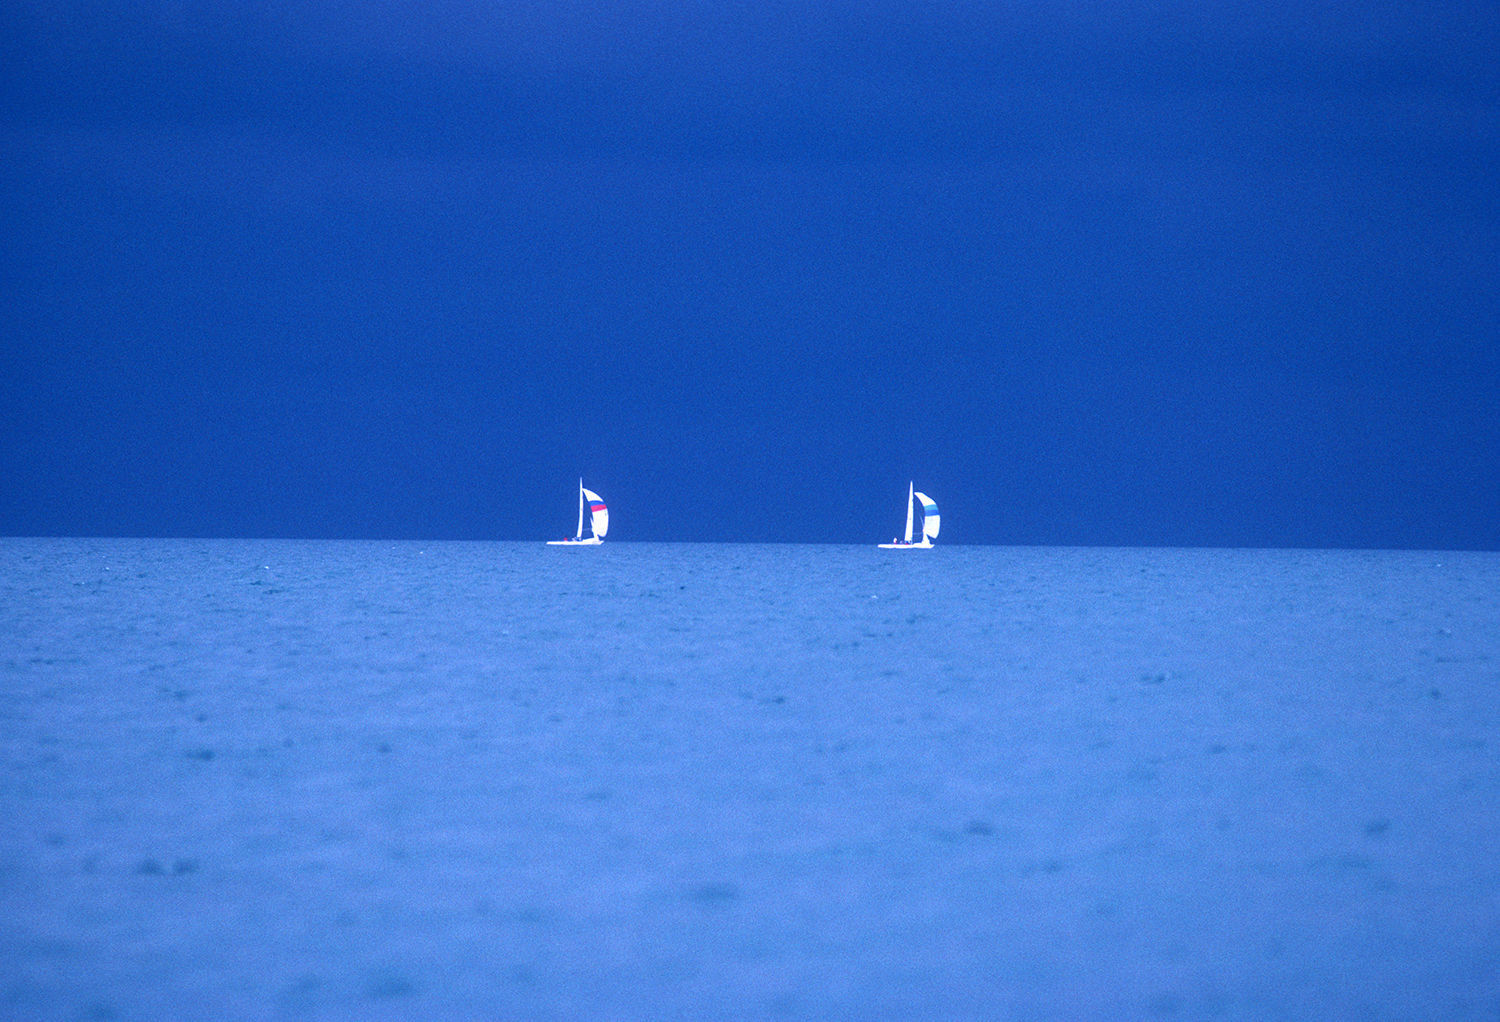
x=345, y=780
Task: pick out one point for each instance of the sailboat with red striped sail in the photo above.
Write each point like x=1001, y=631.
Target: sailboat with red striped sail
x=597, y=520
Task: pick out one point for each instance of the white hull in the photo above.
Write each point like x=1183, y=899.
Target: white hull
x=904, y=546
x=590, y=541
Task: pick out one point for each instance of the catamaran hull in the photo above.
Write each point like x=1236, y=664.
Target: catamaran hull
x=591, y=541
x=904, y=546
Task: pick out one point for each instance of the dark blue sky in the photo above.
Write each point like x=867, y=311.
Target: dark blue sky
x=1115, y=273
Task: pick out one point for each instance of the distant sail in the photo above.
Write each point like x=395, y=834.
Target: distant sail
x=598, y=519
x=931, y=521
x=910, y=509
x=599, y=514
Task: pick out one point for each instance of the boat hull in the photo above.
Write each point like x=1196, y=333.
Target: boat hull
x=590, y=541
x=905, y=546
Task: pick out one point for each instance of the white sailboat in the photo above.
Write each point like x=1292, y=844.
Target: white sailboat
x=930, y=522
x=598, y=521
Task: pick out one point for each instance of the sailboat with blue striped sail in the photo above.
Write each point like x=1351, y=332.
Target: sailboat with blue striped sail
x=597, y=520
x=930, y=522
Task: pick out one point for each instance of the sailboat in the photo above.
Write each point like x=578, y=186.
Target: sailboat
x=598, y=520
x=930, y=522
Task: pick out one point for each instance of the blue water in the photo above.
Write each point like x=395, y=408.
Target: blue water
x=253, y=779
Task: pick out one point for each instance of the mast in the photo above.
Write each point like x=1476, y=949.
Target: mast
x=579, y=533
x=910, y=489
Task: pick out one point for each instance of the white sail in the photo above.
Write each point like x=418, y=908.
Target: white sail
x=598, y=513
x=909, y=491
x=931, y=520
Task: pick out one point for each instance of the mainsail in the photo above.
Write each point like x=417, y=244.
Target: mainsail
x=909, y=509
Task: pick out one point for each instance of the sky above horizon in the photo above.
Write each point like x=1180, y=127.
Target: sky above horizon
x=1092, y=274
